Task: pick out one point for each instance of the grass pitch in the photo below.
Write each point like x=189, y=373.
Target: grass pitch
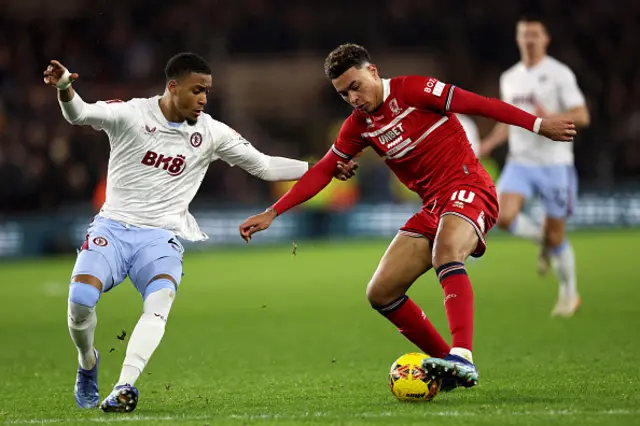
x=258, y=336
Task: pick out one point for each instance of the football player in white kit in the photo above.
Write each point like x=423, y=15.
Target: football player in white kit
x=546, y=87
x=161, y=148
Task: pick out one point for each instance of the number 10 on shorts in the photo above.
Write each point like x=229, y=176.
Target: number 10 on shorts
x=463, y=196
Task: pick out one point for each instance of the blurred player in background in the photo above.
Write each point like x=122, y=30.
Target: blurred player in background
x=546, y=87
x=410, y=122
x=161, y=148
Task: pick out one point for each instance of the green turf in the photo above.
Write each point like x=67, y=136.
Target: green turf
x=258, y=336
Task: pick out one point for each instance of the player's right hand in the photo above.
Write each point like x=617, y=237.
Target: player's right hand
x=558, y=129
x=56, y=75
x=256, y=223
x=346, y=171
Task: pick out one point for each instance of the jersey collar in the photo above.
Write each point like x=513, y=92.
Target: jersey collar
x=157, y=112
x=386, y=89
x=536, y=66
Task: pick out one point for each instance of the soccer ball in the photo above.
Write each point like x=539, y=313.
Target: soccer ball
x=409, y=382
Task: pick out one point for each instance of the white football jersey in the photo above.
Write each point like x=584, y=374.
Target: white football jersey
x=551, y=86
x=471, y=129
x=156, y=167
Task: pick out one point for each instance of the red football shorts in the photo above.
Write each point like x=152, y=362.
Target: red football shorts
x=476, y=202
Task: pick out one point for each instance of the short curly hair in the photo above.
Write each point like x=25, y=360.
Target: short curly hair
x=344, y=57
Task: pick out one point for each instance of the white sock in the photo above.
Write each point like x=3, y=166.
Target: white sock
x=82, y=321
x=563, y=262
x=524, y=227
x=147, y=335
x=463, y=353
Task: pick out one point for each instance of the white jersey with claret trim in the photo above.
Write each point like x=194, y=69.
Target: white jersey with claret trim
x=156, y=167
x=549, y=87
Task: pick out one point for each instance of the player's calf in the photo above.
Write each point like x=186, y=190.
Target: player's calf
x=406, y=259
x=456, y=239
x=84, y=293
x=146, y=336
x=554, y=235
x=157, y=282
x=562, y=259
x=412, y=322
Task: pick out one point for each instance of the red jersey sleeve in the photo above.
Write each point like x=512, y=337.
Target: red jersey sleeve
x=310, y=184
x=430, y=93
x=349, y=143
x=427, y=93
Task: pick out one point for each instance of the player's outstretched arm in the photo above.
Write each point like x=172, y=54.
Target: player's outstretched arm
x=74, y=109
x=237, y=151
x=557, y=129
x=310, y=184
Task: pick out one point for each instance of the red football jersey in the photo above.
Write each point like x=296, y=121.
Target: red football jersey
x=415, y=134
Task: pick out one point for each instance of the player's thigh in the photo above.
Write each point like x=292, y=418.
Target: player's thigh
x=465, y=218
x=100, y=261
x=457, y=238
x=157, y=263
x=406, y=259
x=515, y=187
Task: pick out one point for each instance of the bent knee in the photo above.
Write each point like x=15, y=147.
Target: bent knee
x=381, y=293
x=83, y=293
x=88, y=279
x=554, y=238
x=505, y=220
x=159, y=282
x=168, y=277
x=448, y=251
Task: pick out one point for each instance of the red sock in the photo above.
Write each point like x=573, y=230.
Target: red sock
x=458, y=302
x=414, y=325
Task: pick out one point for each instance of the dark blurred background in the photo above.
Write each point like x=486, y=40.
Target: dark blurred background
x=267, y=58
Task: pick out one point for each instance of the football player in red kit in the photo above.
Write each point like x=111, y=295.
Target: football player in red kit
x=410, y=122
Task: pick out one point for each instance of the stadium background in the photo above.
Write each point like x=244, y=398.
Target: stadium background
x=268, y=84
x=299, y=328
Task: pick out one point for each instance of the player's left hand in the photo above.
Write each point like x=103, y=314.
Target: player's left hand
x=256, y=223
x=558, y=129
x=346, y=171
